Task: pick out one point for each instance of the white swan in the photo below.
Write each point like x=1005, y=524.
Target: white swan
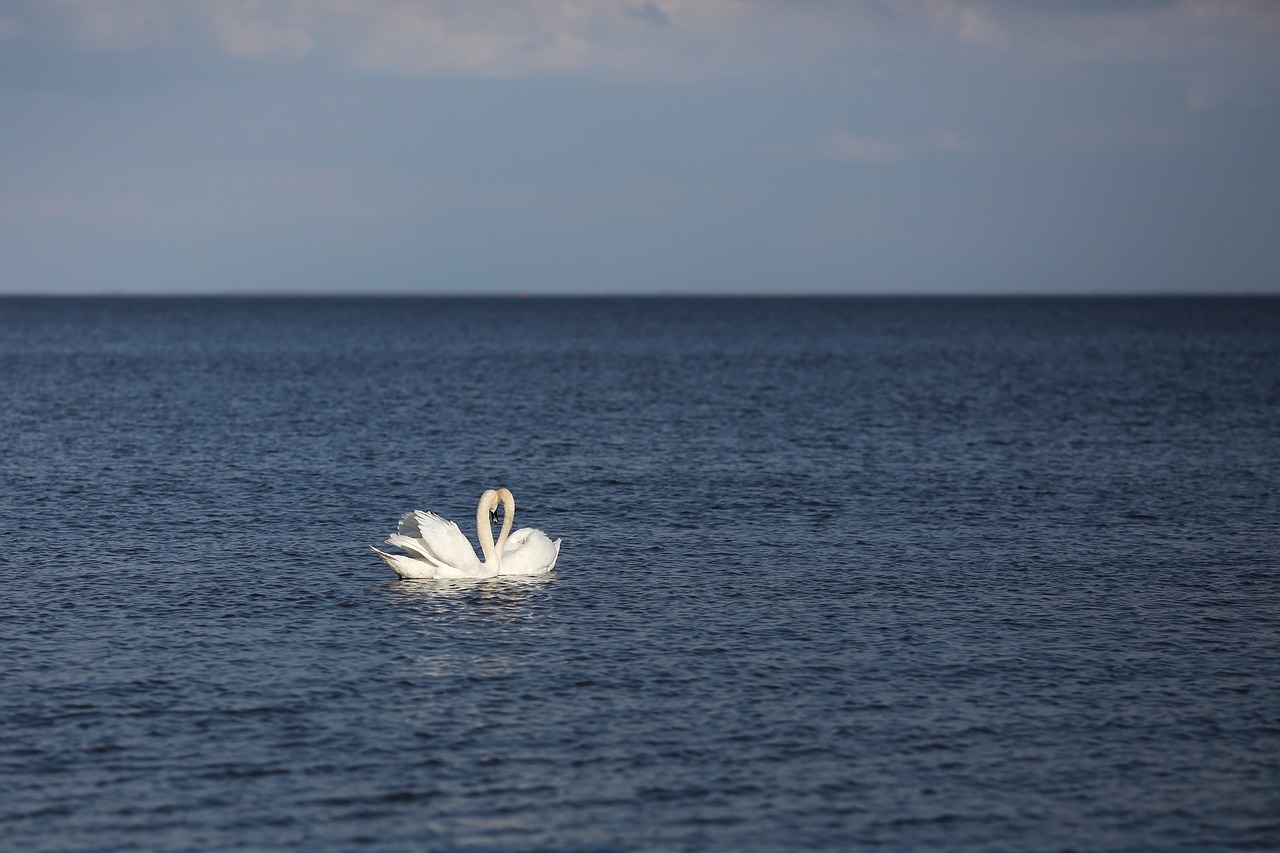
x=529, y=551
x=438, y=549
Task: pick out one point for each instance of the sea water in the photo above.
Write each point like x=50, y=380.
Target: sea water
x=923, y=574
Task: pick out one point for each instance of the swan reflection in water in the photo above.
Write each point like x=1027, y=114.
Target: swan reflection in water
x=513, y=587
x=505, y=597
x=436, y=549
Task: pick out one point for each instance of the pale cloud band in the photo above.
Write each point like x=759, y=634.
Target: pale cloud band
x=674, y=38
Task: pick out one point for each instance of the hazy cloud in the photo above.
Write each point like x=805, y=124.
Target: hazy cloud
x=118, y=24
x=956, y=143
x=650, y=14
x=1105, y=134
x=282, y=33
x=116, y=209
x=858, y=148
x=227, y=196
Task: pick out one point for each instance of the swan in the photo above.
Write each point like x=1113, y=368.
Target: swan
x=438, y=549
x=528, y=551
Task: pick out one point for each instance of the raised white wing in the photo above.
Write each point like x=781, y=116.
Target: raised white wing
x=408, y=537
x=444, y=543
x=408, y=526
x=415, y=547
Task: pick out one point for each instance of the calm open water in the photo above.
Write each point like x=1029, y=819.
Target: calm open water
x=922, y=574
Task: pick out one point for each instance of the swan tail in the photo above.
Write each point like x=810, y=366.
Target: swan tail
x=405, y=567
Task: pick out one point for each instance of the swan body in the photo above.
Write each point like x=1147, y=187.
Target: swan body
x=436, y=548
x=528, y=551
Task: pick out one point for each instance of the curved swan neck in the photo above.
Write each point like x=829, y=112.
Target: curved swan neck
x=508, y=517
x=488, y=501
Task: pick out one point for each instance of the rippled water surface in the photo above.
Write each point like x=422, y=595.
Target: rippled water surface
x=926, y=574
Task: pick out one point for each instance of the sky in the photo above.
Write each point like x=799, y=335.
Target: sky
x=640, y=146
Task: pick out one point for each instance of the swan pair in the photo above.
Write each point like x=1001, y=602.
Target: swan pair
x=438, y=549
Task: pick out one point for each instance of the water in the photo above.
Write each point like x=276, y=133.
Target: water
x=912, y=574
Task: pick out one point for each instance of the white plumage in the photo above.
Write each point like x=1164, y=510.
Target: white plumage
x=436, y=549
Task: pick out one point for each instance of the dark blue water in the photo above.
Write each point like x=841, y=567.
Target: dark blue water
x=918, y=574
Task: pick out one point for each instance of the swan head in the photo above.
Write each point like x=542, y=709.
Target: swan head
x=488, y=502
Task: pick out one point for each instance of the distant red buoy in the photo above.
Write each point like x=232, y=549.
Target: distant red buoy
x=524, y=295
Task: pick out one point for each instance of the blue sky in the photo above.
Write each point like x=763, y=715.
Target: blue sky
x=670, y=146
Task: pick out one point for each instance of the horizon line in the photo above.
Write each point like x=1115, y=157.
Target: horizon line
x=527, y=296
